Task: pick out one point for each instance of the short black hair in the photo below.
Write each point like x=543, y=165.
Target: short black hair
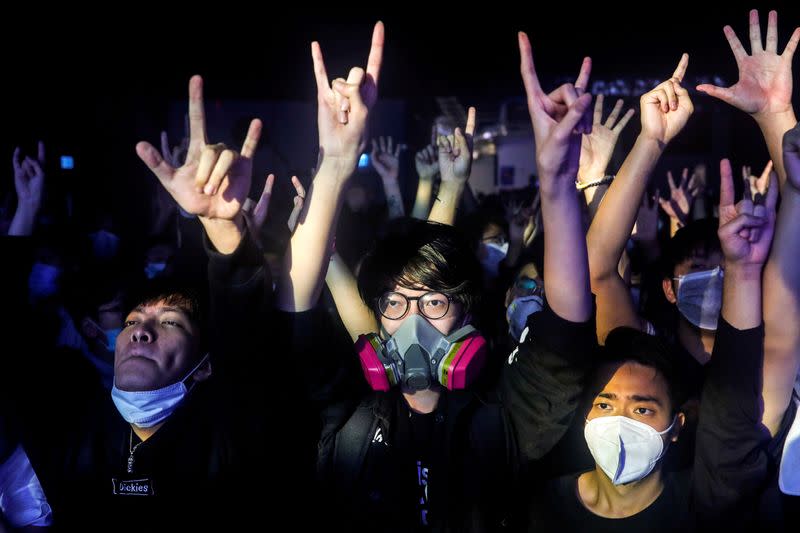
x=416, y=252
x=625, y=344
x=697, y=236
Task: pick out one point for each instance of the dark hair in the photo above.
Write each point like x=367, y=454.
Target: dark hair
x=416, y=252
x=697, y=236
x=625, y=344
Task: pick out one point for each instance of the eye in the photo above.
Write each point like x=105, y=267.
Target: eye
x=603, y=406
x=643, y=411
x=129, y=323
x=171, y=323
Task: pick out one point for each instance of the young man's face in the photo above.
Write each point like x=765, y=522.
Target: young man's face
x=449, y=322
x=157, y=347
x=638, y=392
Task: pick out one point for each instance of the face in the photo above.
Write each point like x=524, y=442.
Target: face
x=157, y=347
x=110, y=314
x=638, y=392
x=492, y=234
x=452, y=320
x=698, y=262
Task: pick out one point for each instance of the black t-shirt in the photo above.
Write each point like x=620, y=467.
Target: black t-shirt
x=415, y=434
x=558, y=508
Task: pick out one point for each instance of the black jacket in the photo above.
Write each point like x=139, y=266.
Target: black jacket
x=478, y=450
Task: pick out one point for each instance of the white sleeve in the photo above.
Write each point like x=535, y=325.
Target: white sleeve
x=22, y=500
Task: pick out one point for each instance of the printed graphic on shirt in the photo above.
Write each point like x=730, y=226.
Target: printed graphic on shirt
x=422, y=480
x=378, y=437
x=133, y=487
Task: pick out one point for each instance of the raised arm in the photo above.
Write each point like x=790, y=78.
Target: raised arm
x=427, y=163
x=782, y=293
x=29, y=184
x=597, y=148
x=343, y=110
x=665, y=111
x=558, y=141
x=385, y=159
x=214, y=180
x=764, y=88
x=455, y=165
x=357, y=317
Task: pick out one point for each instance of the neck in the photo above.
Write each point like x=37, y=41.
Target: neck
x=423, y=401
x=696, y=341
x=146, y=433
x=603, y=498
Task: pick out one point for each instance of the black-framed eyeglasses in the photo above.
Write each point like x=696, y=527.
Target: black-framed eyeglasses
x=528, y=286
x=395, y=305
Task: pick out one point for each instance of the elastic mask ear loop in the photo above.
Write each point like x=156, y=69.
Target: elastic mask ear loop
x=193, y=370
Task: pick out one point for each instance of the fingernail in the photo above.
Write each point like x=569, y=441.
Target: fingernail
x=208, y=189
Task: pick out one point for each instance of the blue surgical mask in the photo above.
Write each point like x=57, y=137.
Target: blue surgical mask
x=492, y=256
x=145, y=409
x=151, y=270
x=44, y=280
x=518, y=312
x=700, y=297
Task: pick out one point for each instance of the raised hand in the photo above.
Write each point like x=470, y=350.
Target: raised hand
x=597, y=147
x=765, y=78
x=746, y=228
x=557, y=145
x=681, y=197
x=757, y=184
x=427, y=162
x=343, y=106
x=455, y=152
x=214, y=180
x=666, y=109
x=29, y=177
x=385, y=158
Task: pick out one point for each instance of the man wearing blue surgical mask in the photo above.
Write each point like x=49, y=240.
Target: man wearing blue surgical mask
x=693, y=271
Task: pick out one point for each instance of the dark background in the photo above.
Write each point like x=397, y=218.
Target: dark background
x=92, y=82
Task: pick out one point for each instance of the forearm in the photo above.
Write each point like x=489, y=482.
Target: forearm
x=616, y=216
x=394, y=200
x=422, y=202
x=357, y=317
x=773, y=126
x=307, y=255
x=741, y=296
x=24, y=220
x=566, y=271
x=225, y=235
x=447, y=201
x=782, y=276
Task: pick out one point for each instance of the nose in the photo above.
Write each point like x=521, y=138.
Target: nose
x=141, y=333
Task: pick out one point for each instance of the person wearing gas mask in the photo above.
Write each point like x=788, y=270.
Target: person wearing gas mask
x=419, y=450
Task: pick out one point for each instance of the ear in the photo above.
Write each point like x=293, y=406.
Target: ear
x=669, y=293
x=680, y=420
x=204, y=372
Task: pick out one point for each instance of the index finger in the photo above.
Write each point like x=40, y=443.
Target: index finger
x=726, y=192
x=772, y=192
x=320, y=74
x=197, y=113
x=376, y=53
x=15, y=159
x=529, y=78
x=298, y=187
x=681, y=68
